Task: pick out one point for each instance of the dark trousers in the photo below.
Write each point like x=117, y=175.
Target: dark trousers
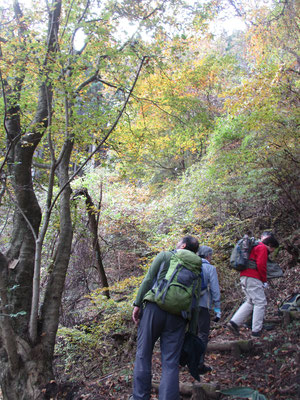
x=157, y=323
x=203, y=329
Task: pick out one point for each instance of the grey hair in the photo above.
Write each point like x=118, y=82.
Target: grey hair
x=205, y=251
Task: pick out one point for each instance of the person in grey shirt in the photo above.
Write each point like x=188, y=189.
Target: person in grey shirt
x=210, y=297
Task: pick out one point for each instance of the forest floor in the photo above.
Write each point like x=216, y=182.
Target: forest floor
x=271, y=368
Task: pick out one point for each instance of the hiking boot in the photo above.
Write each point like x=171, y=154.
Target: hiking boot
x=256, y=334
x=233, y=327
x=203, y=369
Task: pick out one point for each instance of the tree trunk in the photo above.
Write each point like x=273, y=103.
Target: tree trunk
x=24, y=368
x=27, y=327
x=96, y=246
x=55, y=286
x=243, y=345
x=30, y=379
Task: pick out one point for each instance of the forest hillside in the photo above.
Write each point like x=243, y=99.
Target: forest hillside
x=126, y=126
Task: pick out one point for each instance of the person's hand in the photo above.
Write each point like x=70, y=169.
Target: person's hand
x=218, y=315
x=135, y=315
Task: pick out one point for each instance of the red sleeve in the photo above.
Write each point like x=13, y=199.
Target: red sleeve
x=260, y=254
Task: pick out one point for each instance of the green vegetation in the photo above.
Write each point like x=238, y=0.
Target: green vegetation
x=111, y=152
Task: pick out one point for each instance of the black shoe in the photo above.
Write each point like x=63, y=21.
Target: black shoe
x=204, y=369
x=256, y=334
x=233, y=327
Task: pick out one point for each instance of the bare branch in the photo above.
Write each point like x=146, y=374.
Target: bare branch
x=8, y=151
x=23, y=215
x=3, y=189
x=159, y=8
x=90, y=80
x=236, y=8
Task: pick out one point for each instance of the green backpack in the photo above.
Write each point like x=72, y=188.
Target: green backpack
x=178, y=285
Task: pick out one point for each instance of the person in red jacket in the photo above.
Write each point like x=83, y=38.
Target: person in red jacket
x=252, y=281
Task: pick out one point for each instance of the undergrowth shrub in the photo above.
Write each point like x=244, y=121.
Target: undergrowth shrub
x=88, y=347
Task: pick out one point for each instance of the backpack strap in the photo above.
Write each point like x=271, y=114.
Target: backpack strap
x=185, y=314
x=158, y=274
x=207, y=288
x=252, y=263
x=193, y=322
x=170, y=281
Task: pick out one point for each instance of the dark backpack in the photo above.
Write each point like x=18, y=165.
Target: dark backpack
x=291, y=303
x=239, y=259
x=192, y=350
x=273, y=270
x=178, y=286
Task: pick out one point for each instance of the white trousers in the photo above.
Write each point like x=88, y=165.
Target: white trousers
x=255, y=301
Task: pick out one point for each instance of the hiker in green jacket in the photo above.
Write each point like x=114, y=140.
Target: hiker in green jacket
x=154, y=322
